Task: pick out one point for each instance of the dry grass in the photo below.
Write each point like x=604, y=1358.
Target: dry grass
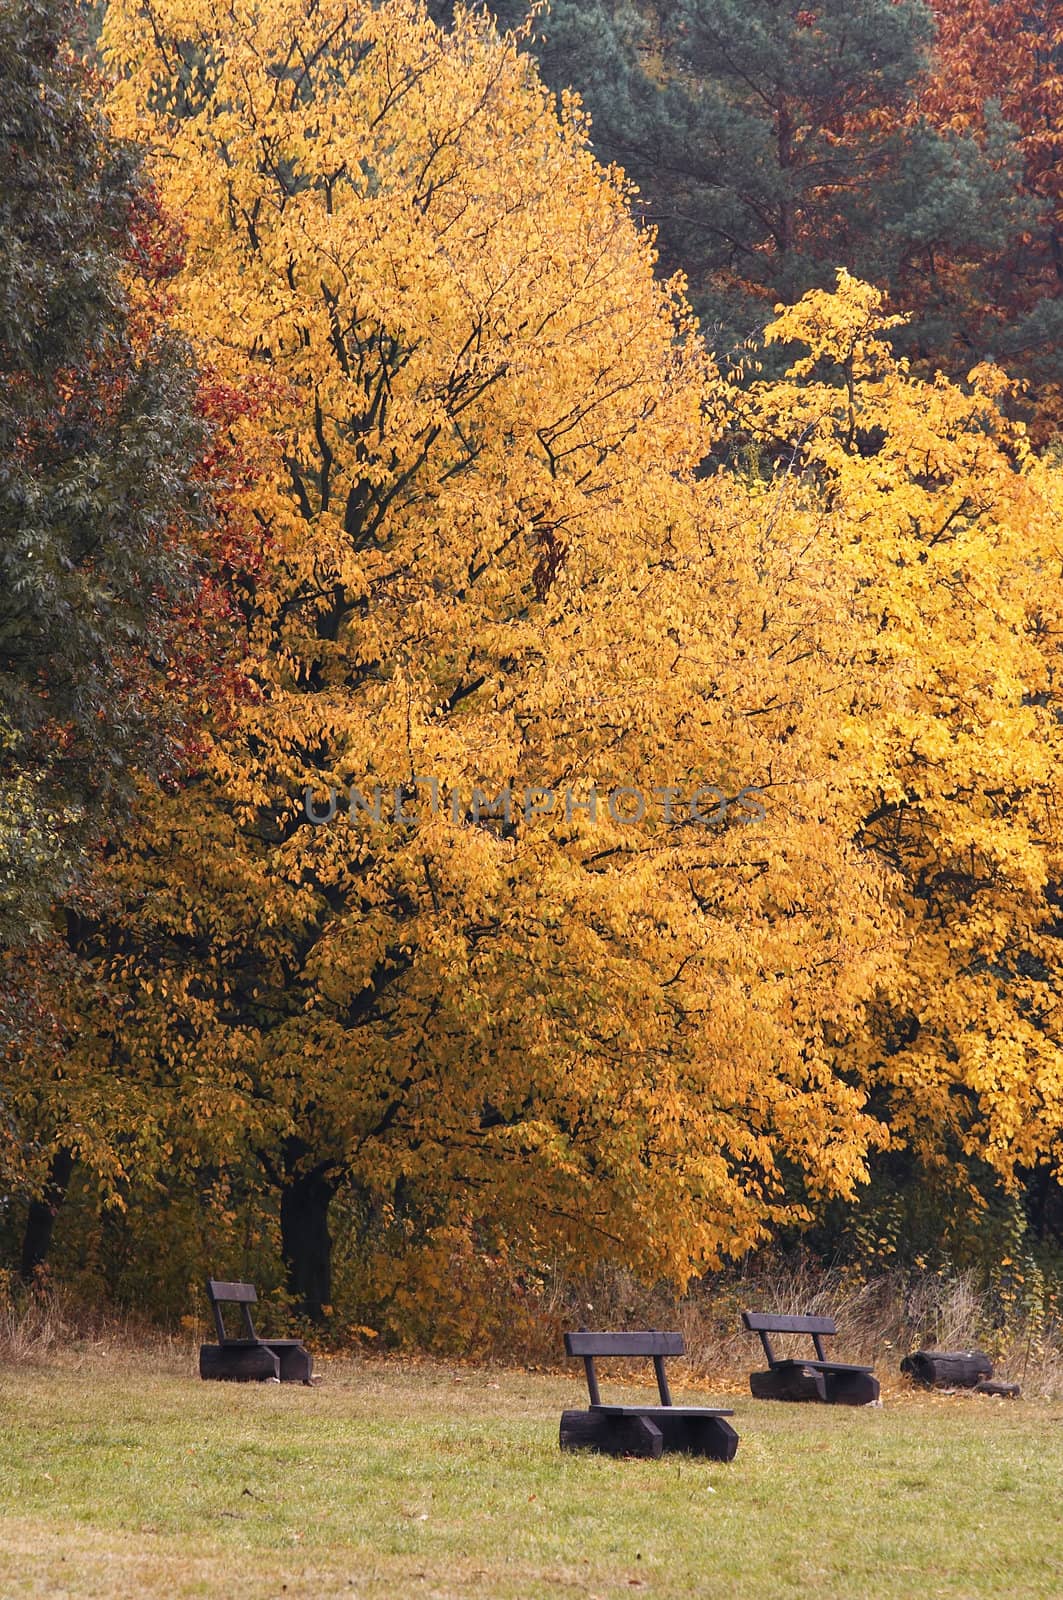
x=43, y=1322
x=879, y=1320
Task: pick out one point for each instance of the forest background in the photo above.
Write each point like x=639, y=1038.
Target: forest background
x=644, y=398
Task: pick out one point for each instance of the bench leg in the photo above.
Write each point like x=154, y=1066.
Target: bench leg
x=254, y=1364
x=851, y=1388
x=613, y=1436
x=788, y=1383
x=296, y=1364
x=638, y=1436
x=715, y=1438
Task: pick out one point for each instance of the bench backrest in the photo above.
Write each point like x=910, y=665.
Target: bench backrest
x=644, y=1343
x=241, y=1294
x=765, y=1322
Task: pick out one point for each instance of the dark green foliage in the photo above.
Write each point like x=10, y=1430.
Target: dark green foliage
x=771, y=144
x=99, y=439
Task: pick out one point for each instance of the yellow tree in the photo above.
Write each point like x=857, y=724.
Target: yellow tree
x=487, y=567
x=950, y=525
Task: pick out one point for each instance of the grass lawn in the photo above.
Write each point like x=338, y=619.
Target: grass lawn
x=126, y=1476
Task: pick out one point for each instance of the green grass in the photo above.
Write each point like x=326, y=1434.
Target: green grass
x=124, y=1476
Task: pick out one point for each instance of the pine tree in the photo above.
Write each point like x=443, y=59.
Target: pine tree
x=773, y=144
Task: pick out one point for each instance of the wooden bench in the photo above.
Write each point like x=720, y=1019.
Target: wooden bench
x=791, y=1378
x=642, y=1430
x=243, y=1360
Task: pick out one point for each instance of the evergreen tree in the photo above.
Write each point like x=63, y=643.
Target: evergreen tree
x=111, y=614
x=773, y=144
x=1008, y=54
x=100, y=442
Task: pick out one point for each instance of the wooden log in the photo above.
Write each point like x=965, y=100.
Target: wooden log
x=638, y=1435
x=948, y=1369
x=788, y=1382
x=613, y=1435
x=236, y=1363
x=686, y=1432
x=851, y=1388
x=1010, y=1391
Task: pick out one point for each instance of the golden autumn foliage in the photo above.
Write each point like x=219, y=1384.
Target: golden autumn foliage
x=952, y=529
x=487, y=560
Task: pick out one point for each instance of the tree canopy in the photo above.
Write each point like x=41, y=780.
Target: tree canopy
x=630, y=819
x=100, y=439
x=112, y=618
x=910, y=143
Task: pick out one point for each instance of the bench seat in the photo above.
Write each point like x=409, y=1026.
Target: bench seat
x=666, y=1411
x=821, y=1366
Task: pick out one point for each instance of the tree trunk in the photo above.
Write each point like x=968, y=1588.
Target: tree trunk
x=40, y=1220
x=784, y=130
x=306, y=1243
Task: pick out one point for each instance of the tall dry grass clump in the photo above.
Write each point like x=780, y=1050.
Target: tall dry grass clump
x=880, y=1319
x=41, y=1322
